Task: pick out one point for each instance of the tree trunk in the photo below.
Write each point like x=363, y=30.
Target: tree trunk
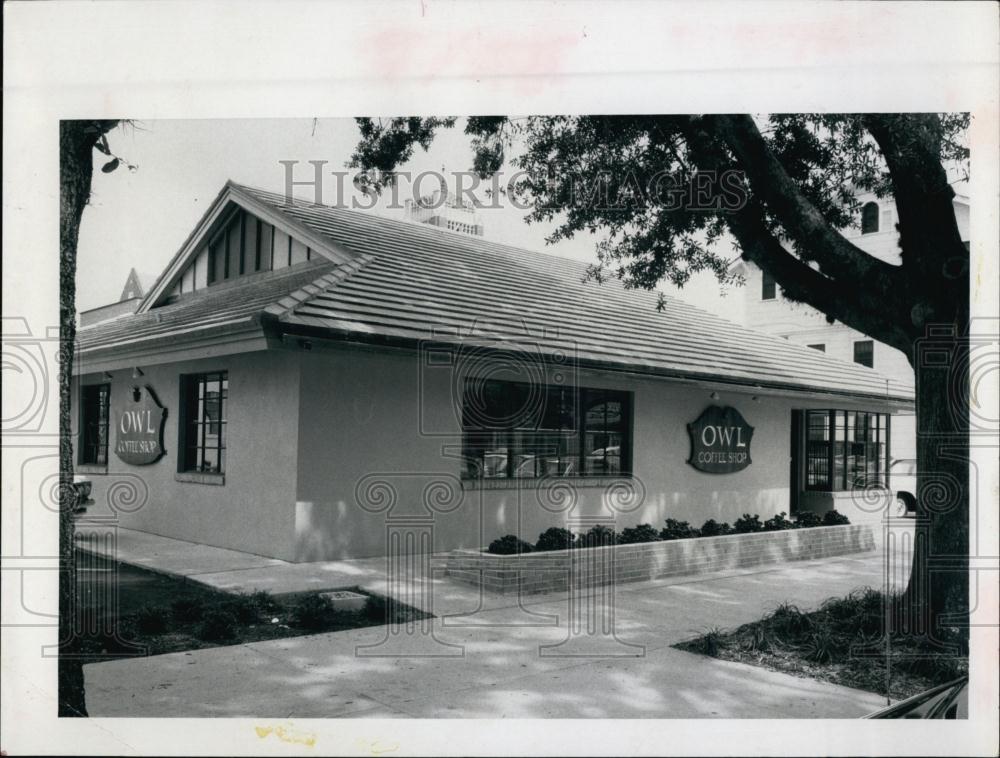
x=936, y=601
x=76, y=146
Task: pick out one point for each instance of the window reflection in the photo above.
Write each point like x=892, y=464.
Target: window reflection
x=517, y=431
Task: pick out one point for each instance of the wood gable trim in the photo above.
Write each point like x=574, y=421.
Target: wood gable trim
x=216, y=217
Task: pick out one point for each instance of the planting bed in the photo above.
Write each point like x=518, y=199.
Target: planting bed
x=842, y=642
x=125, y=611
x=557, y=570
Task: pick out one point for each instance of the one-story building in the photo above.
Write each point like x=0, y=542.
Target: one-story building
x=300, y=376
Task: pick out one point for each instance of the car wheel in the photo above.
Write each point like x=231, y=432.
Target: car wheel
x=901, y=507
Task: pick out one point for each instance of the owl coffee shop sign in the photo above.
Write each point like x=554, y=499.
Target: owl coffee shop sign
x=720, y=441
x=140, y=428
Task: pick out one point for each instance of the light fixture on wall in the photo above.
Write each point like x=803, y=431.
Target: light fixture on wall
x=714, y=396
x=136, y=372
x=755, y=399
x=107, y=376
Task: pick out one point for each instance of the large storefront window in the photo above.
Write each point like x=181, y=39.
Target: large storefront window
x=204, y=422
x=96, y=411
x=846, y=450
x=513, y=430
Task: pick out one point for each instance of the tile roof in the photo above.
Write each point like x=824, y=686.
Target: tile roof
x=232, y=304
x=411, y=282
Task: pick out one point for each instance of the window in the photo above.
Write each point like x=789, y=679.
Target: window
x=513, y=430
x=604, y=431
x=203, y=425
x=864, y=353
x=819, y=346
x=818, y=450
x=95, y=407
x=845, y=450
x=869, y=218
x=769, y=289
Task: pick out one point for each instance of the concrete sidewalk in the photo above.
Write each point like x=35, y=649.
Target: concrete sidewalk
x=490, y=656
x=233, y=571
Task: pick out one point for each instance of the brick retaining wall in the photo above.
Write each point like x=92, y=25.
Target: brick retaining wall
x=551, y=571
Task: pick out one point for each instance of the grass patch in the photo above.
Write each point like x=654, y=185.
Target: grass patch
x=157, y=614
x=842, y=642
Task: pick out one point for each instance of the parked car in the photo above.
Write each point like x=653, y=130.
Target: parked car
x=903, y=478
x=946, y=701
x=494, y=465
x=82, y=485
x=599, y=463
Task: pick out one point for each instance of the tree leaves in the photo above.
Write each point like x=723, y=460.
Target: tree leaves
x=103, y=146
x=636, y=182
x=385, y=144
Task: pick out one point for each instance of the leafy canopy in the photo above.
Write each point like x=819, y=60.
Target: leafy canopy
x=664, y=191
x=617, y=176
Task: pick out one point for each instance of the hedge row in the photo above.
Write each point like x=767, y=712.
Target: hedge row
x=557, y=538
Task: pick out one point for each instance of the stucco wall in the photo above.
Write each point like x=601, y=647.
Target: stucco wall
x=378, y=429
x=254, y=510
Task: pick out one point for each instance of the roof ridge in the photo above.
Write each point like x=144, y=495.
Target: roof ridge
x=427, y=230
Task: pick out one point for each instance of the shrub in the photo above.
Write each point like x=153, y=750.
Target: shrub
x=187, y=610
x=249, y=609
x=842, y=608
x=678, y=530
x=377, y=609
x=759, y=641
x=554, y=538
x=264, y=602
x=640, y=533
x=788, y=620
x=861, y=610
x=386, y=610
x=711, y=528
x=150, y=620
x=597, y=536
x=312, y=612
x=125, y=628
x=217, y=624
x=937, y=666
x=746, y=524
x=710, y=642
x=833, y=518
x=807, y=519
x=824, y=645
x=778, y=523
x=509, y=545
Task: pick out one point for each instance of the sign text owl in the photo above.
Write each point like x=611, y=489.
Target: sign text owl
x=720, y=441
x=140, y=428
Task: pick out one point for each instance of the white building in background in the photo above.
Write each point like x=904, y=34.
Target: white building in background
x=765, y=309
x=445, y=210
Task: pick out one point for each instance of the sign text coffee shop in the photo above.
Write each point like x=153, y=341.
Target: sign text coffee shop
x=300, y=376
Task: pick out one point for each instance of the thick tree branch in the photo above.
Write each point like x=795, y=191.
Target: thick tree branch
x=857, y=302
x=837, y=258
x=803, y=283
x=930, y=243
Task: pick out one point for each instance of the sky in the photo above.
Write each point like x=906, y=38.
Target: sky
x=141, y=218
